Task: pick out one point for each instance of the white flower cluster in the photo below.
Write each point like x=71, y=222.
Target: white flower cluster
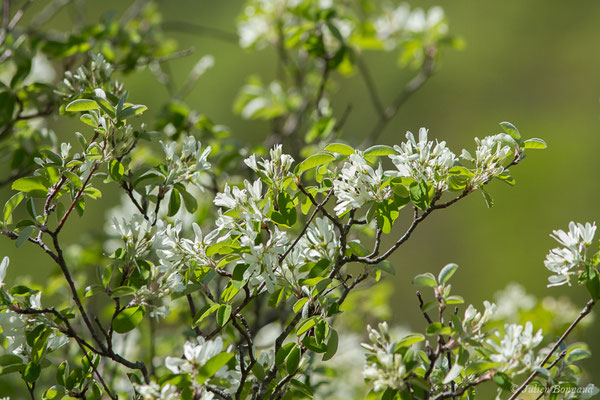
x=257, y=25
x=358, y=184
x=570, y=259
x=388, y=369
x=423, y=160
x=153, y=391
x=196, y=354
x=186, y=167
x=276, y=170
x=516, y=347
x=474, y=321
x=247, y=202
x=13, y=325
x=320, y=241
x=491, y=152
x=398, y=23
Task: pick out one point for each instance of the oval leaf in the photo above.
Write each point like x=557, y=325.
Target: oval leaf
x=82, y=105
x=128, y=319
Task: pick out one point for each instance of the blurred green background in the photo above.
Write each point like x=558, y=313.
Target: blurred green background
x=534, y=63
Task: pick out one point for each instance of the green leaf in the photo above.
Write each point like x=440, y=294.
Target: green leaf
x=116, y=170
x=10, y=206
x=306, y=325
x=106, y=106
x=409, y=340
x=454, y=300
x=427, y=279
x=283, y=352
x=132, y=111
x=577, y=354
x=386, y=213
x=24, y=235
x=379, y=150
x=437, y=328
x=311, y=343
x=211, y=367
x=453, y=373
x=299, y=304
x=386, y=266
x=82, y=105
x=332, y=345
x=174, y=202
x=357, y=248
x=535, y=143
x=511, y=130
x=502, y=380
x=190, y=202
x=90, y=120
x=314, y=161
x=340, y=148
x=486, y=196
x=122, y=291
x=128, y=319
x=30, y=184
x=480, y=366
x=302, y=387
x=287, y=210
x=447, y=272
x=74, y=179
x=205, y=312
x=31, y=372
x=419, y=194
x=223, y=314
x=7, y=108
x=293, y=360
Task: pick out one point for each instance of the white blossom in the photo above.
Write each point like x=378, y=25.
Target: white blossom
x=275, y=170
x=474, y=322
x=399, y=23
x=320, y=240
x=570, y=259
x=196, y=354
x=358, y=184
x=515, y=348
x=388, y=370
x=186, y=166
x=490, y=153
x=153, y=391
x=423, y=160
x=3, y=268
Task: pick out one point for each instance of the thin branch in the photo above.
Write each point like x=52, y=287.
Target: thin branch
x=310, y=219
x=584, y=312
x=387, y=114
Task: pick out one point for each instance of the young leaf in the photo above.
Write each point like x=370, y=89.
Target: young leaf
x=511, y=130
x=535, y=143
x=293, y=360
x=427, y=279
x=82, y=105
x=30, y=184
x=223, y=314
x=128, y=319
x=447, y=272
x=314, y=161
x=332, y=345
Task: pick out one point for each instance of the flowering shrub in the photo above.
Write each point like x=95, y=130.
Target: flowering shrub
x=223, y=273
